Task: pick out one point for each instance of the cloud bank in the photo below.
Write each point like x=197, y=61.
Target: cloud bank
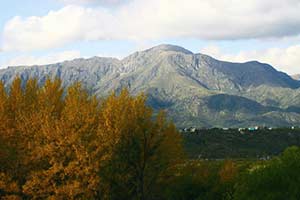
x=94, y=2
x=155, y=19
x=283, y=59
x=43, y=60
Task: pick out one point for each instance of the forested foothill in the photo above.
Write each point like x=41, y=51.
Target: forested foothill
x=239, y=143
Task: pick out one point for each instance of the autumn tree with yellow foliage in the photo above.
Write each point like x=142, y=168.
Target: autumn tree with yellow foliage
x=140, y=148
x=62, y=143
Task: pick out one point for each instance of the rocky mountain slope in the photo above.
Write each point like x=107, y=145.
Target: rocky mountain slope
x=195, y=89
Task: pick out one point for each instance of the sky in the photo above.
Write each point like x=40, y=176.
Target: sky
x=50, y=31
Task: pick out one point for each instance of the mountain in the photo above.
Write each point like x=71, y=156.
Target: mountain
x=194, y=89
x=296, y=77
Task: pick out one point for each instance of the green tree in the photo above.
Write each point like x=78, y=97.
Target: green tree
x=275, y=179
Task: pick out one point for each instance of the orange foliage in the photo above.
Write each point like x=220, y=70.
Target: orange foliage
x=73, y=146
x=228, y=171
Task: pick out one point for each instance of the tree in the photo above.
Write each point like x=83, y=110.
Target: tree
x=61, y=143
x=4, y=134
x=70, y=173
x=11, y=166
x=16, y=139
x=140, y=149
x=9, y=189
x=227, y=178
x=275, y=179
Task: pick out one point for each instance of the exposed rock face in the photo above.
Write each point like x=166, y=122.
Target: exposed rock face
x=195, y=89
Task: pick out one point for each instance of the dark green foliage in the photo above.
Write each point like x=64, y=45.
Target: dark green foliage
x=203, y=180
x=195, y=180
x=220, y=144
x=275, y=179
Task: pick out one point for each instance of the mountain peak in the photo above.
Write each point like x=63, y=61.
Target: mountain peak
x=296, y=77
x=170, y=47
x=195, y=89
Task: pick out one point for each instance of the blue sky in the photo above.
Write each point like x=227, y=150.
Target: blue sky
x=48, y=31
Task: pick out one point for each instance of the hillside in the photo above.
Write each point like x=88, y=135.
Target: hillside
x=194, y=89
x=220, y=144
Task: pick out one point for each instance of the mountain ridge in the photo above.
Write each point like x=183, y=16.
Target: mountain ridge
x=296, y=77
x=194, y=89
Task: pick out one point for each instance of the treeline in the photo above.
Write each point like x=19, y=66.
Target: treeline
x=62, y=143
x=220, y=144
x=57, y=145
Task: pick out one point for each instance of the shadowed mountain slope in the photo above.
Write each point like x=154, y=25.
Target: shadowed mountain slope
x=195, y=89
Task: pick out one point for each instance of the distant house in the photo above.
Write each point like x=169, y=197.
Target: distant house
x=193, y=129
x=189, y=130
x=253, y=128
x=241, y=130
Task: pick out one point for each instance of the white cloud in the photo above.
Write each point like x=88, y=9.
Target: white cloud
x=283, y=59
x=99, y=2
x=72, y=23
x=155, y=19
x=43, y=60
